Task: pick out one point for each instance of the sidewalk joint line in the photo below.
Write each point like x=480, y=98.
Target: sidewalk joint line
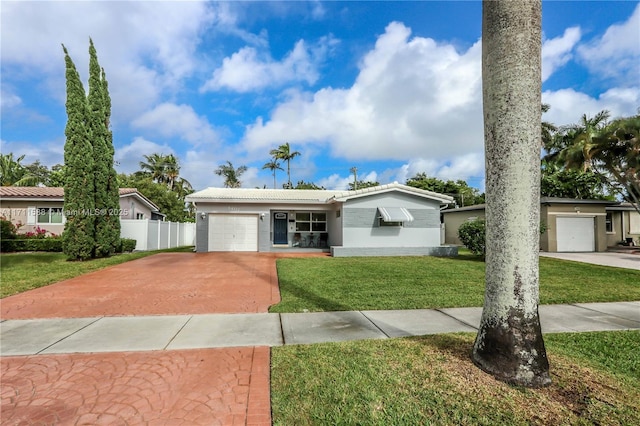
x=374, y=324
x=69, y=335
x=177, y=332
x=457, y=319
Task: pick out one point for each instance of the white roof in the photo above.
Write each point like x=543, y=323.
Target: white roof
x=304, y=195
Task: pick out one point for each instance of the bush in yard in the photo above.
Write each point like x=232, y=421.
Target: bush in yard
x=472, y=235
x=126, y=245
x=8, y=230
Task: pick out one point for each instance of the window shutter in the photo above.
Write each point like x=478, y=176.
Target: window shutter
x=31, y=215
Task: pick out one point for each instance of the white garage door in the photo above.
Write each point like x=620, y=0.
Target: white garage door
x=229, y=232
x=575, y=234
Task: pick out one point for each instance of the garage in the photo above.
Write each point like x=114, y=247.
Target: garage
x=575, y=234
x=233, y=232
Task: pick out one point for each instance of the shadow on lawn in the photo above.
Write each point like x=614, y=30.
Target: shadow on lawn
x=316, y=302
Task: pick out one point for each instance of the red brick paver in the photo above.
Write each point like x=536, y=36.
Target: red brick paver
x=186, y=387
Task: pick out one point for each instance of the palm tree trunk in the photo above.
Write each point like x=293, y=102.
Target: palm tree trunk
x=509, y=343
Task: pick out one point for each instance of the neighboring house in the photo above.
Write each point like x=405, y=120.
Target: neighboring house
x=622, y=223
x=572, y=225
x=383, y=220
x=42, y=207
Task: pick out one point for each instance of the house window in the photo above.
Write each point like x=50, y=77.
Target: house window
x=392, y=224
x=139, y=216
x=337, y=214
x=50, y=215
x=609, y=222
x=311, y=222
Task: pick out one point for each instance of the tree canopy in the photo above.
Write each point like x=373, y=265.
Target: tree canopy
x=231, y=174
x=459, y=189
x=610, y=150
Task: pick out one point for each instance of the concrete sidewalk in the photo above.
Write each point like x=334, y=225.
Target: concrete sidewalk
x=180, y=332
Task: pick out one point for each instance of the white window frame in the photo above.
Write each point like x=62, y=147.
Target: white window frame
x=39, y=210
x=314, y=224
x=608, y=223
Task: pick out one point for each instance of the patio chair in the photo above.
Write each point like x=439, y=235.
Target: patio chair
x=311, y=240
x=323, y=240
x=297, y=240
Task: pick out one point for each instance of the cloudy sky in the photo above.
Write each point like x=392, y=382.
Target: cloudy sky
x=392, y=88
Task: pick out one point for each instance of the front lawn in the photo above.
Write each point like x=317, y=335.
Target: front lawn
x=431, y=380
x=343, y=284
x=25, y=271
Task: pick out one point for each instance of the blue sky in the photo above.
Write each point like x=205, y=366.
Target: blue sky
x=392, y=88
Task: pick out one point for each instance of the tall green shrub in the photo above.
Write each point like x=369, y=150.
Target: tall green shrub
x=79, y=186
x=113, y=188
x=472, y=235
x=106, y=238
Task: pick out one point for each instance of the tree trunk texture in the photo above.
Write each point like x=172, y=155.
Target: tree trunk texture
x=509, y=343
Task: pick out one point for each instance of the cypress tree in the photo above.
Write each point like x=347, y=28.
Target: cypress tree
x=101, y=167
x=113, y=189
x=79, y=202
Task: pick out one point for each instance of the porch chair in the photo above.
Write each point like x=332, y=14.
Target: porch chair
x=323, y=241
x=297, y=240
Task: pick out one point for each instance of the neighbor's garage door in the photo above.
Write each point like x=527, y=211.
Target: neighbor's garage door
x=230, y=232
x=575, y=234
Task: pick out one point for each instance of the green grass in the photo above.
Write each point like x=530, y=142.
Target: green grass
x=431, y=380
x=25, y=271
x=336, y=284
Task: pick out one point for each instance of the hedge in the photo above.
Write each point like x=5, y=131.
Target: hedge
x=32, y=244
x=52, y=244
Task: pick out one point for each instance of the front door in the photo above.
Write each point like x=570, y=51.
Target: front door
x=280, y=224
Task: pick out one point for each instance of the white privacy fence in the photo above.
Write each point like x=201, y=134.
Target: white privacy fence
x=156, y=235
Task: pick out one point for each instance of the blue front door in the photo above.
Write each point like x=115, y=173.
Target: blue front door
x=280, y=224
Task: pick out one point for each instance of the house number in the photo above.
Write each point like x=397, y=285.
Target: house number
x=233, y=209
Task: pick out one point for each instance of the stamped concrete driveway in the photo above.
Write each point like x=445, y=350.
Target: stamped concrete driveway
x=163, y=284
x=220, y=386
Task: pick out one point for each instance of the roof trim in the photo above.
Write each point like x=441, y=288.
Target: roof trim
x=295, y=196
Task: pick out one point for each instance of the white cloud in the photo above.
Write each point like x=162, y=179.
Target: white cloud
x=128, y=157
x=145, y=47
x=171, y=120
x=248, y=70
x=556, y=52
x=617, y=53
x=412, y=98
x=49, y=152
x=567, y=105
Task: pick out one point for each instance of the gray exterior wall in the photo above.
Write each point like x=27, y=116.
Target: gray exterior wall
x=265, y=235
x=361, y=226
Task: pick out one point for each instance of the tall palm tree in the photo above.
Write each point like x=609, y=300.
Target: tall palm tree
x=154, y=167
x=574, y=147
x=273, y=165
x=509, y=343
x=548, y=129
x=12, y=173
x=615, y=154
x=283, y=152
x=231, y=174
x=171, y=170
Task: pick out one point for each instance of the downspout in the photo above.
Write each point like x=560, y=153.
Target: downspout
x=624, y=228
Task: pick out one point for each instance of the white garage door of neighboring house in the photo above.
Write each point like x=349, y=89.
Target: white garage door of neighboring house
x=229, y=232
x=575, y=234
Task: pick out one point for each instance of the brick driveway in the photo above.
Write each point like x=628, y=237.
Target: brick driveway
x=225, y=386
